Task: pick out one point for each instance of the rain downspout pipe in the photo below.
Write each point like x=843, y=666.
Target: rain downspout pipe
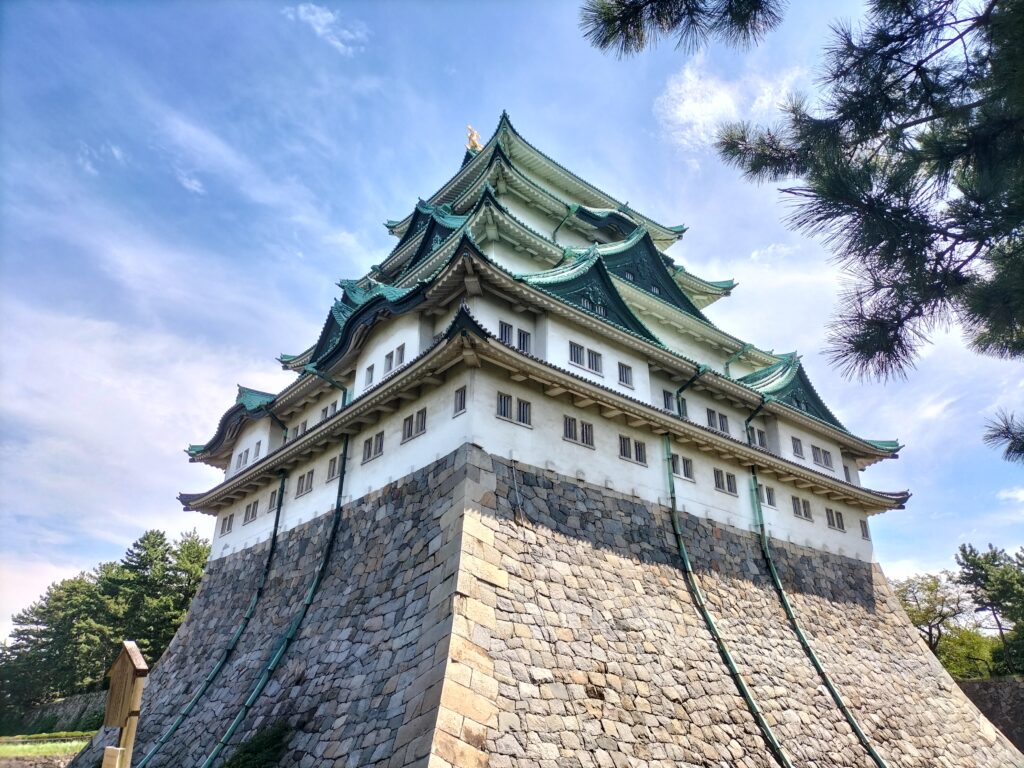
x=568, y=213
x=310, y=368
x=232, y=643
x=698, y=598
x=759, y=525
x=293, y=627
x=736, y=356
x=701, y=370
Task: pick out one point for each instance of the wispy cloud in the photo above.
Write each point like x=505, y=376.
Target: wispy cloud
x=696, y=101
x=346, y=38
x=191, y=183
x=1012, y=494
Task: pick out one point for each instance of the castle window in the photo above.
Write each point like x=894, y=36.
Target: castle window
x=523, y=412
x=846, y=473
x=625, y=447
x=302, y=427
x=587, y=304
x=459, y=401
x=226, y=524
x=628, y=274
x=334, y=408
x=373, y=447
x=682, y=466
x=602, y=310
x=594, y=361
x=273, y=501
x=504, y=406
x=632, y=450
x=389, y=361
x=864, y=532
x=625, y=375
x=574, y=431
x=835, y=519
x=569, y=428
x=640, y=451
x=505, y=332
x=798, y=448
x=305, y=484
x=323, y=414
x=674, y=404
x=718, y=421
x=523, y=341
x=766, y=494
x=256, y=450
x=802, y=508
x=725, y=481
x=587, y=433
x=821, y=456
x=656, y=290
x=251, y=510
x=333, y=467
x=369, y=375
x=414, y=425
x=400, y=354
x=575, y=353
x=757, y=437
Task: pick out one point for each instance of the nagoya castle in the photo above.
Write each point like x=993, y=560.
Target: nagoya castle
x=525, y=504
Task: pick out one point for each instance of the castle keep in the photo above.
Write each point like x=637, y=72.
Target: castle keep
x=524, y=504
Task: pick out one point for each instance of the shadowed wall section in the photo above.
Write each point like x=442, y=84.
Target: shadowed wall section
x=476, y=614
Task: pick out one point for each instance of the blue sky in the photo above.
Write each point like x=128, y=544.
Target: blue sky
x=182, y=183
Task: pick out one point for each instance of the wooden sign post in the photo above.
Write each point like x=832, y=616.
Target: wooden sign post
x=124, y=699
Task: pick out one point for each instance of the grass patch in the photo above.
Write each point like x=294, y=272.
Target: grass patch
x=43, y=749
x=49, y=736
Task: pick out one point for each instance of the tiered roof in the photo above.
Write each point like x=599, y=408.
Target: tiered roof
x=621, y=278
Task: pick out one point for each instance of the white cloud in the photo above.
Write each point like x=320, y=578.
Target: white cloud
x=25, y=579
x=117, y=153
x=191, y=183
x=696, y=101
x=1011, y=494
x=328, y=26
x=92, y=452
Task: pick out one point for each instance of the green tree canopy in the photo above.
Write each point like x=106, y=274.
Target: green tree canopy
x=65, y=642
x=934, y=604
x=995, y=581
x=910, y=165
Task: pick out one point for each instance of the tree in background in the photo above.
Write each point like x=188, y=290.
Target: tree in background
x=934, y=604
x=911, y=166
x=994, y=580
x=65, y=642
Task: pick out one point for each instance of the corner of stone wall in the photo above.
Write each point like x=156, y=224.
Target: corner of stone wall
x=469, y=691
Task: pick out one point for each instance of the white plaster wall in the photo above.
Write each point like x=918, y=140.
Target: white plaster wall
x=787, y=431
x=384, y=338
x=253, y=432
x=514, y=261
x=686, y=345
x=560, y=333
x=540, y=445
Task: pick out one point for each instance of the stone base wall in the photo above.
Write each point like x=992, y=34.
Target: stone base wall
x=81, y=712
x=1001, y=700
x=475, y=616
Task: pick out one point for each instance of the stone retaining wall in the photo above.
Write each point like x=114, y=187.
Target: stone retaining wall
x=1001, y=700
x=468, y=620
x=81, y=712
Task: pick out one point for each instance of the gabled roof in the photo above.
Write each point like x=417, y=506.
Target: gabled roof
x=584, y=281
x=513, y=144
x=357, y=307
x=787, y=382
x=638, y=260
x=250, y=404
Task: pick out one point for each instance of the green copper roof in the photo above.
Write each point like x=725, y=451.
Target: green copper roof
x=892, y=446
x=638, y=260
x=253, y=399
x=583, y=280
x=786, y=381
